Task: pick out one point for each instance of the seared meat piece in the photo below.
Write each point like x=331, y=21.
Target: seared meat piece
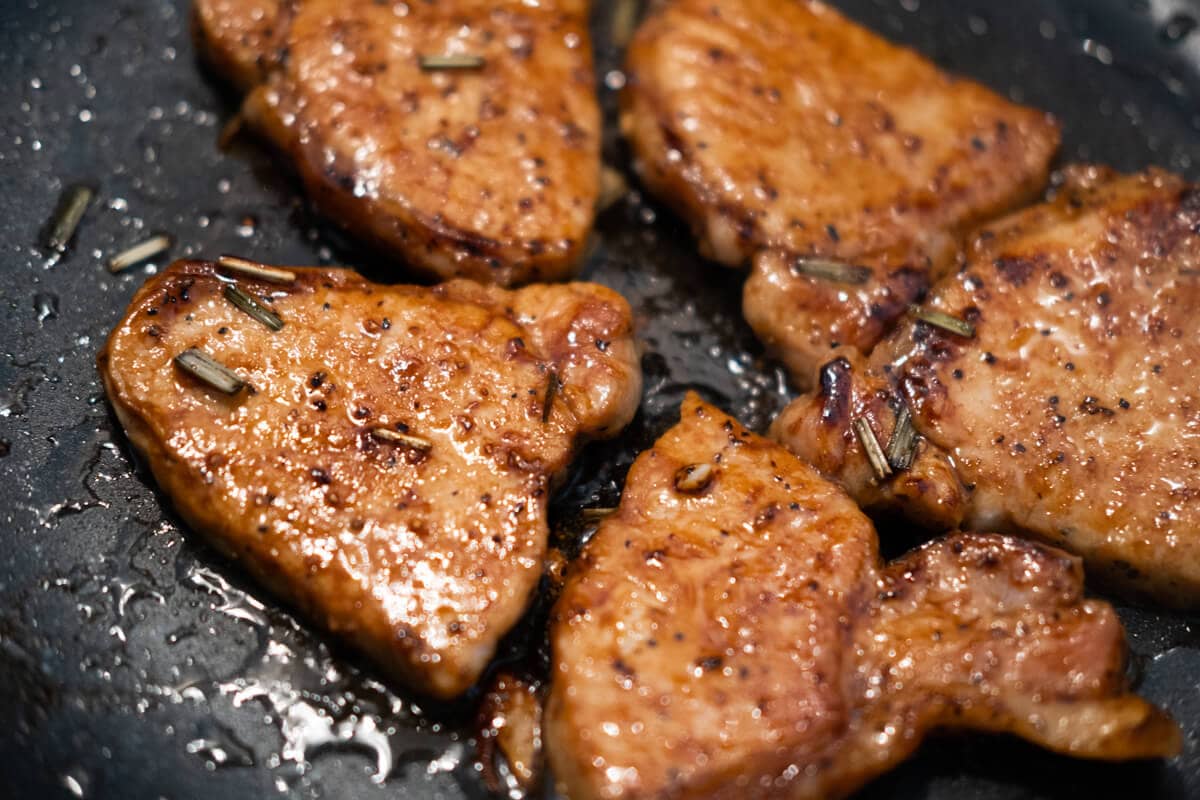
x=509, y=739
x=422, y=552
x=243, y=40
x=1073, y=415
x=490, y=174
x=779, y=125
x=740, y=638
x=802, y=319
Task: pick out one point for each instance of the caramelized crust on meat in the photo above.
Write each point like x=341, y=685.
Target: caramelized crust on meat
x=243, y=40
x=779, y=125
x=743, y=640
x=1074, y=414
x=509, y=741
x=421, y=559
x=802, y=320
x=489, y=174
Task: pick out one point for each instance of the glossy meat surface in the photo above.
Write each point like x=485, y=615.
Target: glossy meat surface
x=803, y=319
x=509, y=741
x=489, y=174
x=1073, y=415
x=242, y=39
x=743, y=639
x=779, y=125
x=421, y=558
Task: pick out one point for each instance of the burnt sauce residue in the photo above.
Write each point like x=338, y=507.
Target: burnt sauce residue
x=135, y=662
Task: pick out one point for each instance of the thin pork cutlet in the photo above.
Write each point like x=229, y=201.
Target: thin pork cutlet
x=387, y=463
x=731, y=632
x=1056, y=396
x=845, y=167
x=461, y=137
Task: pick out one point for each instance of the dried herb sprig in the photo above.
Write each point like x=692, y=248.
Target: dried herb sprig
x=870, y=445
x=71, y=207
x=405, y=439
x=253, y=269
x=902, y=447
x=142, y=251
x=456, y=61
x=205, y=368
x=831, y=270
x=553, y=383
x=597, y=513
x=253, y=308
x=944, y=321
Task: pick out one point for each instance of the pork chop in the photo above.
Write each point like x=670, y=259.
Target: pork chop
x=780, y=130
x=732, y=633
x=1073, y=413
x=386, y=467
x=490, y=173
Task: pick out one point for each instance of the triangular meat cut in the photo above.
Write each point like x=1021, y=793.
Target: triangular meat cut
x=461, y=137
x=386, y=464
x=846, y=166
x=1053, y=393
x=731, y=632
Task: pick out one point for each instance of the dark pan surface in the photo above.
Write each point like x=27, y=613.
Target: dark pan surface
x=134, y=663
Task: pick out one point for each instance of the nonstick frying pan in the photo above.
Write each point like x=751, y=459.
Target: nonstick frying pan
x=136, y=663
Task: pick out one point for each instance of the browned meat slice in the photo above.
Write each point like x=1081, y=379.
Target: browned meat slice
x=243, y=39
x=1073, y=414
x=421, y=551
x=490, y=173
x=779, y=125
x=803, y=319
x=731, y=633
x=509, y=740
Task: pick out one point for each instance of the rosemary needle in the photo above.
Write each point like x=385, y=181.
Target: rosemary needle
x=458, y=61
x=870, y=445
x=203, y=367
x=902, y=447
x=944, y=321
x=253, y=269
x=253, y=308
x=406, y=439
x=552, y=385
x=831, y=270
x=142, y=251
x=71, y=208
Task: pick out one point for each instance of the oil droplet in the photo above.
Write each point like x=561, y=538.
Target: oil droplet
x=75, y=782
x=179, y=634
x=46, y=306
x=1177, y=28
x=234, y=603
x=247, y=226
x=614, y=80
x=220, y=747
